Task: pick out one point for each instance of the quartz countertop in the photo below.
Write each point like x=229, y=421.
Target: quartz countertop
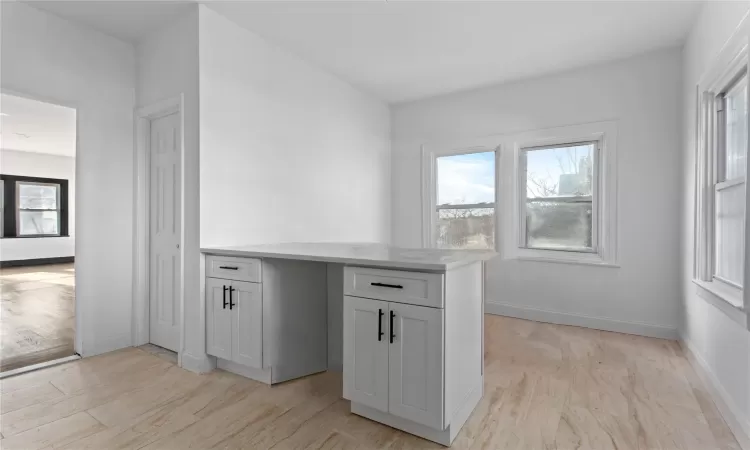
x=373, y=255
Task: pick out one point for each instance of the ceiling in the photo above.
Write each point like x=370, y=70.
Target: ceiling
x=39, y=127
x=406, y=50
x=126, y=20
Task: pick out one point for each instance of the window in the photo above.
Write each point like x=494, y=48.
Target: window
x=720, y=180
x=38, y=209
x=33, y=206
x=465, y=201
x=559, y=189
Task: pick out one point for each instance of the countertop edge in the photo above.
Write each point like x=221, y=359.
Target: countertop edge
x=434, y=267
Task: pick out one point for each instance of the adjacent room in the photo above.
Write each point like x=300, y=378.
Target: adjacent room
x=375, y=224
x=37, y=249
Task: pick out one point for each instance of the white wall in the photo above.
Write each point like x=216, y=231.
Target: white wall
x=43, y=165
x=288, y=152
x=720, y=344
x=642, y=95
x=167, y=68
x=51, y=59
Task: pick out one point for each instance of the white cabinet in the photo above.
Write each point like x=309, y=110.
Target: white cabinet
x=219, y=319
x=415, y=374
x=366, y=352
x=247, y=323
x=393, y=359
x=235, y=321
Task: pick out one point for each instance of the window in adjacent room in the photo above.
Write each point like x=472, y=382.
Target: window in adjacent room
x=38, y=208
x=720, y=181
x=559, y=197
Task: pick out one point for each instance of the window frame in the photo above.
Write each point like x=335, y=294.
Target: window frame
x=11, y=217
x=523, y=199
x=57, y=210
x=605, y=188
x=430, y=154
x=710, y=153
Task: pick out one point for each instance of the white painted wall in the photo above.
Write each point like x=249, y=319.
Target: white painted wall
x=642, y=95
x=288, y=151
x=44, y=165
x=720, y=344
x=167, y=68
x=52, y=59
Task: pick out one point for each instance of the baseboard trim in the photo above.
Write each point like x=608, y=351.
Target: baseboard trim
x=37, y=262
x=580, y=320
x=196, y=364
x=732, y=415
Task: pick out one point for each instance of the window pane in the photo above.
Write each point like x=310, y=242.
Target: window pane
x=736, y=138
x=37, y=196
x=730, y=233
x=559, y=226
x=559, y=193
x=466, y=228
x=38, y=222
x=466, y=179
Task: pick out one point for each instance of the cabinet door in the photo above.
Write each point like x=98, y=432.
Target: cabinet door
x=415, y=380
x=247, y=327
x=366, y=352
x=218, y=319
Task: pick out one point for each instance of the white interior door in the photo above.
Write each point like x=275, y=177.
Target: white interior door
x=416, y=364
x=246, y=302
x=165, y=231
x=366, y=352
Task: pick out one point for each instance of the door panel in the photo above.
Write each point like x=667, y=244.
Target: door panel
x=218, y=319
x=165, y=234
x=247, y=310
x=365, y=354
x=415, y=378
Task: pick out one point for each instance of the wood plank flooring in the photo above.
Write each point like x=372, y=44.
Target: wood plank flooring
x=37, y=319
x=546, y=387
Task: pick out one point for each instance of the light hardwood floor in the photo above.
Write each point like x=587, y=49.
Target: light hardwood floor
x=37, y=320
x=546, y=387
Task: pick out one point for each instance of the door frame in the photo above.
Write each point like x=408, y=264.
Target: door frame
x=141, y=217
x=79, y=305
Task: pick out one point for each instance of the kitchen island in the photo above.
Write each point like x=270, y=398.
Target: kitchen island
x=405, y=325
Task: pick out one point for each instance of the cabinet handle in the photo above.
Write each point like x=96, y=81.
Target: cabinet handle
x=231, y=305
x=393, y=286
x=392, y=335
x=380, y=325
x=225, y=298
x=229, y=267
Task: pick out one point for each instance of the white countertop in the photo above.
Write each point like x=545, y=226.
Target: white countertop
x=374, y=255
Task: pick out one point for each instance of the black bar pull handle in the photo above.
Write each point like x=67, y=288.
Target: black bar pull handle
x=229, y=267
x=231, y=305
x=394, y=286
x=380, y=325
x=392, y=335
x=225, y=298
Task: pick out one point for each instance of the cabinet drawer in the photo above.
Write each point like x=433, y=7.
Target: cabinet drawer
x=231, y=268
x=414, y=288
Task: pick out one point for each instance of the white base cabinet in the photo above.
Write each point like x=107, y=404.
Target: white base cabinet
x=272, y=329
x=414, y=367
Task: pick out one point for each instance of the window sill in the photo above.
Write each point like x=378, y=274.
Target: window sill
x=728, y=300
x=561, y=257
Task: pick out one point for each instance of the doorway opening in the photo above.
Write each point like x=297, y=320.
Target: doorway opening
x=37, y=233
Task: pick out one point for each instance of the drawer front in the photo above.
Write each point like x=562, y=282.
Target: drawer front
x=231, y=268
x=414, y=288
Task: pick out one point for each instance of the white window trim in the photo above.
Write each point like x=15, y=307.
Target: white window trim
x=605, y=208
x=730, y=63
x=430, y=153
